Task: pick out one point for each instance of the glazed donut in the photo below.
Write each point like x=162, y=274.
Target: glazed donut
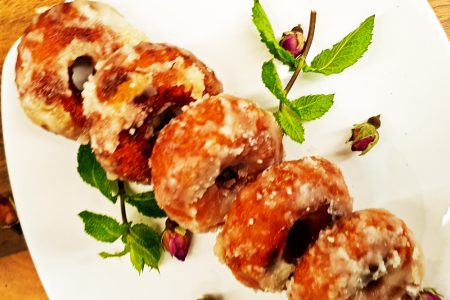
x=133, y=95
x=49, y=48
x=275, y=218
x=370, y=255
x=203, y=157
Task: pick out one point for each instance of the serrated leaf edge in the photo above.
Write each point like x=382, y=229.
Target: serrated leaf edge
x=134, y=241
x=347, y=38
x=122, y=226
x=293, y=125
x=111, y=197
x=300, y=109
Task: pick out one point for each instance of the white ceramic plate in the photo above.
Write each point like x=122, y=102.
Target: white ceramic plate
x=404, y=77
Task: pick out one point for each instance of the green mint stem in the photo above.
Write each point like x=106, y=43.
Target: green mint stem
x=309, y=39
x=121, y=186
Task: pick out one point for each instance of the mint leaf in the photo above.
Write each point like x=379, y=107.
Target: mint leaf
x=136, y=260
x=93, y=174
x=145, y=246
x=291, y=125
x=265, y=29
x=312, y=107
x=146, y=204
x=118, y=254
x=345, y=53
x=272, y=81
x=101, y=227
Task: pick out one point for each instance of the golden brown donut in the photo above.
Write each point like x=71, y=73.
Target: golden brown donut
x=275, y=218
x=133, y=95
x=48, y=49
x=203, y=157
x=371, y=255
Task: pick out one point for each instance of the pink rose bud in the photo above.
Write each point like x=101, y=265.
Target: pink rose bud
x=365, y=135
x=8, y=215
x=176, y=240
x=429, y=294
x=293, y=41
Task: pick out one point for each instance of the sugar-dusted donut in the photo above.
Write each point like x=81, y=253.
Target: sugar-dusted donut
x=133, y=95
x=90, y=31
x=203, y=157
x=275, y=218
x=371, y=255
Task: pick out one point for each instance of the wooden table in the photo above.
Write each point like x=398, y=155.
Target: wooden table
x=18, y=278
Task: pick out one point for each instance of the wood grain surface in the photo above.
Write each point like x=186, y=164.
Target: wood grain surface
x=18, y=278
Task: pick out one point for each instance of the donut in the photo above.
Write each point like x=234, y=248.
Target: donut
x=275, y=218
x=133, y=95
x=370, y=255
x=203, y=157
x=83, y=30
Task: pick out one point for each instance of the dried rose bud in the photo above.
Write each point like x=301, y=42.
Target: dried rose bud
x=8, y=215
x=429, y=294
x=365, y=135
x=293, y=41
x=176, y=240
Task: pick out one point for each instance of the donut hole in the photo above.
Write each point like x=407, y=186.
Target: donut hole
x=372, y=281
x=161, y=120
x=304, y=232
x=373, y=285
x=227, y=178
x=373, y=288
x=79, y=72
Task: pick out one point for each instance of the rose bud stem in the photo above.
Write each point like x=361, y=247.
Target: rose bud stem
x=302, y=57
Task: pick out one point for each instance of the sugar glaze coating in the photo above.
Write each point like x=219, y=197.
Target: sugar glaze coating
x=133, y=95
x=370, y=255
x=48, y=48
x=203, y=157
x=254, y=238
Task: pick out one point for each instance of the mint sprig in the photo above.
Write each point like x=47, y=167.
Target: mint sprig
x=141, y=242
x=93, y=173
x=306, y=108
x=346, y=52
x=291, y=114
